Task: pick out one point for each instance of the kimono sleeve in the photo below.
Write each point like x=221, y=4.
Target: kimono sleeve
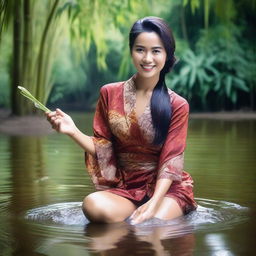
x=102, y=167
x=172, y=154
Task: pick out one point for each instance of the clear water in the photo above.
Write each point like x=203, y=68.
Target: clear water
x=43, y=181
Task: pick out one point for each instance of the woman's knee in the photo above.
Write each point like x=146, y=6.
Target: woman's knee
x=96, y=210
x=92, y=209
x=169, y=209
x=103, y=206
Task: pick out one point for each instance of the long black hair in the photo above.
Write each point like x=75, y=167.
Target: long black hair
x=160, y=101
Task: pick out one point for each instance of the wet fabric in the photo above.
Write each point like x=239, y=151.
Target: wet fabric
x=126, y=161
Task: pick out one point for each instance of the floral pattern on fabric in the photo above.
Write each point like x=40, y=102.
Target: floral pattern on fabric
x=172, y=169
x=126, y=162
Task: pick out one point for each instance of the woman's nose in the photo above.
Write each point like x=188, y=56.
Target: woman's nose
x=147, y=57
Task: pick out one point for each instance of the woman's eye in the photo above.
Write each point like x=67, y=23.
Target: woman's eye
x=156, y=51
x=139, y=50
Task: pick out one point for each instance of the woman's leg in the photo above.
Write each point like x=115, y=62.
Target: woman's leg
x=169, y=209
x=106, y=207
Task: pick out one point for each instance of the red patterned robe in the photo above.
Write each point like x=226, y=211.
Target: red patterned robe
x=126, y=161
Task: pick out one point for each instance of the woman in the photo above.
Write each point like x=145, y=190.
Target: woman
x=136, y=155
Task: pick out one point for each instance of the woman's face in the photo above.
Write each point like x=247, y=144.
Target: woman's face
x=148, y=54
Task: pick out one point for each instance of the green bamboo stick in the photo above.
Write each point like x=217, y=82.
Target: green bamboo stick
x=37, y=103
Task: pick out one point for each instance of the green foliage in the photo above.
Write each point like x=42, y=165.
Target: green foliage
x=196, y=75
x=231, y=61
x=92, y=20
x=193, y=3
x=5, y=53
x=5, y=15
x=4, y=89
x=113, y=34
x=38, y=28
x=219, y=65
x=68, y=75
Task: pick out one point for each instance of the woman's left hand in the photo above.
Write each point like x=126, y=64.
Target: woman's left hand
x=145, y=212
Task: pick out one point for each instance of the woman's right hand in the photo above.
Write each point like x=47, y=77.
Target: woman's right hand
x=61, y=122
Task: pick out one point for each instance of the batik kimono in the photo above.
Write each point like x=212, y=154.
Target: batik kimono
x=126, y=161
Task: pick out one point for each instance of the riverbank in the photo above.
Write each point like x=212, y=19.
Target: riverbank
x=37, y=125
x=26, y=125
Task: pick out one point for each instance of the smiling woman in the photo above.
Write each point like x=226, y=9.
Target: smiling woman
x=148, y=54
x=135, y=157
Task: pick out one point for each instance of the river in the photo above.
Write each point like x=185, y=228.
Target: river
x=44, y=180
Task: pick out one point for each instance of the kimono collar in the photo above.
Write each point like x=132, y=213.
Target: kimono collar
x=129, y=95
x=144, y=121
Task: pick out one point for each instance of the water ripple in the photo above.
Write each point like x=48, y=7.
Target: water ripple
x=61, y=213
x=210, y=215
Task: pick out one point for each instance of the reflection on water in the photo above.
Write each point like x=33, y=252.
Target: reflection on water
x=149, y=237
x=49, y=172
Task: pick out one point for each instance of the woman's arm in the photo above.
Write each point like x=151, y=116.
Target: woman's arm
x=162, y=186
x=149, y=209
x=63, y=123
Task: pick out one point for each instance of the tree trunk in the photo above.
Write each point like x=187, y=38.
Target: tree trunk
x=27, y=46
x=252, y=95
x=206, y=13
x=16, y=62
x=183, y=23
x=40, y=92
x=31, y=57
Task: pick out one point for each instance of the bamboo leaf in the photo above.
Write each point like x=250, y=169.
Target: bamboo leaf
x=241, y=85
x=217, y=85
x=185, y=2
x=192, y=78
x=24, y=92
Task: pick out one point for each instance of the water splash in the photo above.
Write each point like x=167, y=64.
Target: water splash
x=61, y=213
x=210, y=214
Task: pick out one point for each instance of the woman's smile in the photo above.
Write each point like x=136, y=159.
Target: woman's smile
x=148, y=55
x=147, y=68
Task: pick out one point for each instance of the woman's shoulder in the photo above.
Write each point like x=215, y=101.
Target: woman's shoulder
x=177, y=101
x=111, y=87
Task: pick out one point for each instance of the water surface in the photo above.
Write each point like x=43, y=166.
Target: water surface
x=43, y=181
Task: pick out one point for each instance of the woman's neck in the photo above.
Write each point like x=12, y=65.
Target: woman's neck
x=145, y=84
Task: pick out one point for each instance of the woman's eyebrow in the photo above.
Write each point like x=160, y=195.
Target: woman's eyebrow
x=157, y=47
x=154, y=47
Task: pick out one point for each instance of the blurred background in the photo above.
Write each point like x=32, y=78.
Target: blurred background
x=64, y=51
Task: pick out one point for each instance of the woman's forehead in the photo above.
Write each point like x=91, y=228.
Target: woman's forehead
x=148, y=39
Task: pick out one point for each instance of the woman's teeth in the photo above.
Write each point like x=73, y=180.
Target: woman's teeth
x=147, y=67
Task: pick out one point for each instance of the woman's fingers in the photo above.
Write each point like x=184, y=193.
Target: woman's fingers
x=144, y=212
x=61, y=122
x=57, y=124
x=49, y=115
x=137, y=212
x=54, y=118
x=134, y=214
x=138, y=219
x=138, y=215
x=60, y=112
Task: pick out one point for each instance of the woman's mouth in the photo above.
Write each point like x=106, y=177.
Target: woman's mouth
x=147, y=67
